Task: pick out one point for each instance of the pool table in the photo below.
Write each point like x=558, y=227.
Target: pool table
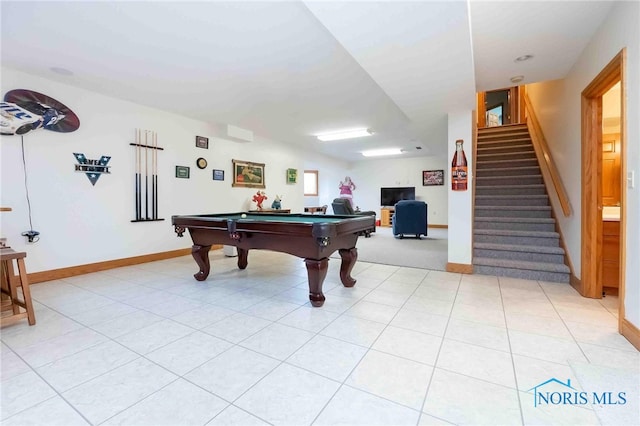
x=313, y=238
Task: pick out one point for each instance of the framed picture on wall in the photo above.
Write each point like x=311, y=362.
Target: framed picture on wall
x=182, y=172
x=432, y=177
x=202, y=142
x=247, y=174
x=292, y=175
x=218, y=174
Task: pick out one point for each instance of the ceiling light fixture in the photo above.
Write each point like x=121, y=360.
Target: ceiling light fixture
x=517, y=78
x=523, y=58
x=382, y=152
x=346, y=134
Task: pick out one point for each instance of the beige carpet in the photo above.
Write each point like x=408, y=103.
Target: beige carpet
x=430, y=252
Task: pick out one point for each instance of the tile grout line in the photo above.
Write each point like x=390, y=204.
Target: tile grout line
x=513, y=363
x=577, y=344
x=444, y=333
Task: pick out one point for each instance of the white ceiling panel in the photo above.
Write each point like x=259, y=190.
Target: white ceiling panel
x=289, y=70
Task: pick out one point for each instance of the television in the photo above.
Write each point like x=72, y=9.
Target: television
x=390, y=196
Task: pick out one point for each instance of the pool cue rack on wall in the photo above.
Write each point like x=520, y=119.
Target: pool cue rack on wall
x=146, y=145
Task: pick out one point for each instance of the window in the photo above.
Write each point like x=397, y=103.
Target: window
x=311, y=183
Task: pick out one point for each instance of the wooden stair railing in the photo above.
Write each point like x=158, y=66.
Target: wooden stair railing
x=545, y=160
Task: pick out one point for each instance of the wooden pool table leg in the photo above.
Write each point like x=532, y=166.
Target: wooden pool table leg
x=242, y=257
x=201, y=256
x=316, y=271
x=349, y=257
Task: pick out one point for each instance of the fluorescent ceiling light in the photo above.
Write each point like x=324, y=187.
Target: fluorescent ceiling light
x=381, y=152
x=347, y=134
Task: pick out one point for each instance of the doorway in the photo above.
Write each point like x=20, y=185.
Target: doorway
x=596, y=139
x=501, y=107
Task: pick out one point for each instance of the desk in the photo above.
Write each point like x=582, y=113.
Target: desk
x=313, y=238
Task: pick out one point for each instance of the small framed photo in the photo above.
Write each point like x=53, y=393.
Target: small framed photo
x=182, y=172
x=202, y=142
x=292, y=175
x=432, y=177
x=218, y=174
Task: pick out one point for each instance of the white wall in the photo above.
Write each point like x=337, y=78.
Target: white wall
x=330, y=173
x=557, y=105
x=80, y=223
x=371, y=175
x=460, y=202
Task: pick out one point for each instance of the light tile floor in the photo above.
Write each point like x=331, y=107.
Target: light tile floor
x=149, y=345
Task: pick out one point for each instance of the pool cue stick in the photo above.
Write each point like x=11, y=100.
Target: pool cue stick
x=139, y=148
x=155, y=176
x=146, y=175
x=137, y=184
x=153, y=183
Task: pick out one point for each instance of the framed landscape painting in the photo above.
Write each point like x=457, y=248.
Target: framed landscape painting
x=432, y=177
x=248, y=174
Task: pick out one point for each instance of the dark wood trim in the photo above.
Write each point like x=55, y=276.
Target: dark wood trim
x=438, y=226
x=460, y=268
x=71, y=271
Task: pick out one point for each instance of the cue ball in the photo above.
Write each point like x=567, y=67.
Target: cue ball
x=243, y=215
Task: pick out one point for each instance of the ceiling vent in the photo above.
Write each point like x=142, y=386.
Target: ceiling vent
x=239, y=135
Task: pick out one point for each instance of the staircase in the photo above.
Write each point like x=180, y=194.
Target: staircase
x=514, y=232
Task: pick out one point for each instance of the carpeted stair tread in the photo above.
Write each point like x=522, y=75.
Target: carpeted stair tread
x=531, y=186
x=514, y=247
x=506, y=169
x=503, y=197
x=502, y=139
x=483, y=156
x=513, y=208
x=521, y=264
x=515, y=219
x=491, y=149
x=504, y=232
x=496, y=189
x=481, y=178
x=500, y=162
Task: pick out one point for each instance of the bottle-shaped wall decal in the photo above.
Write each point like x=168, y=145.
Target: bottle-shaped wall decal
x=459, y=168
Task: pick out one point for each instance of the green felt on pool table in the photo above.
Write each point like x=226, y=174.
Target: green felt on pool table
x=279, y=218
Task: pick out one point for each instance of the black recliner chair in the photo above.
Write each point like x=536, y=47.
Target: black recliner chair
x=342, y=206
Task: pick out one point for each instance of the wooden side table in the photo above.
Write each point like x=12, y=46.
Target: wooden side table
x=3, y=241
x=386, y=215
x=9, y=284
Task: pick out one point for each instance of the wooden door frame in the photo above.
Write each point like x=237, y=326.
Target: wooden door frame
x=481, y=109
x=591, y=254
x=516, y=106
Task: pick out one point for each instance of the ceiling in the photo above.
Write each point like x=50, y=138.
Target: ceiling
x=289, y=70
